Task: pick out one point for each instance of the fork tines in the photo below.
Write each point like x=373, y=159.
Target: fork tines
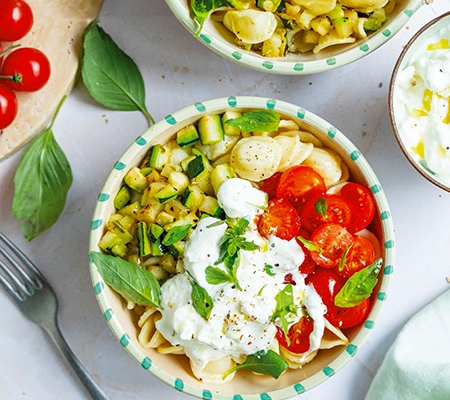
x=17, y=273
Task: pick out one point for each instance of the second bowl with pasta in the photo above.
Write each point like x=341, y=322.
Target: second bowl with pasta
x=227, y=243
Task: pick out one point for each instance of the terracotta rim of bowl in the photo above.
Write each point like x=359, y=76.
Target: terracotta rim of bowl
x=397, y=134
x=284, y=67
x=386, y=225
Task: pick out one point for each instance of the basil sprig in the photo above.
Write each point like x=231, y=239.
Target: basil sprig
x=309, y=245
x=262, y=362
x=41, y=183
x=359, y=286
x=284, y=308
x=232, y=242
x=321, y=206
x=128, y=279
x=202, y=10
x=259, y=120
x=201, y=300
x=176, y=234
x=111, y=76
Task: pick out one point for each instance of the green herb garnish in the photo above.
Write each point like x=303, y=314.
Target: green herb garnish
x=269, y=270
x=260, y=120
x=343, y=259
x=41, y=182
x=284, y=308
x=321, y=206
x=203, y=8
x=262, y=362
x=111, y=76
x=176, y=234
x=309, y=245
x=359, y=286
x=201, y=300
x=128, y=279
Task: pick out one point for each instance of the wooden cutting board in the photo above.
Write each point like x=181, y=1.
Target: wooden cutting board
x=57, y=30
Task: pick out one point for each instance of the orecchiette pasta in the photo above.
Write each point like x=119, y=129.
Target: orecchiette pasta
x=215, y=371
x=327, y=163
x=294, y=152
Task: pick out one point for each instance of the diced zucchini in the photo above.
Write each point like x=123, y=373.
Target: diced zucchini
x=185, y=162
x=187, y=136
x=166, y=194
x=164, y=218
x=111, y=243
x=177, y=249
x=135, y=180
x=227, y=128
x=210, y=129
x=158, y=272
x=130, y=209
x=219, y=174
x=143, y=239
x=176, y=208
x=122, y=233
x=196, y=166
x=122, y=197
x=128, y=223
x=155, y=231
x=191, y=218
x=343, y=27
x=192, y=197
x=203, y=181
x=210, y=206
x=159, y=155
x=169, y=168
x=179, y=181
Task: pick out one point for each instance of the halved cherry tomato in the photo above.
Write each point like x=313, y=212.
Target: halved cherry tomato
x=328, y=284
x=327, y=208
x=270, y=185
x=362, y=204
x=8, y=106
x=333, y=240
x=298, y=335
x=298, y=184
x=16, y=20
x=31, y=64
x=360, y=256
x=308, y=265
x=279, y=219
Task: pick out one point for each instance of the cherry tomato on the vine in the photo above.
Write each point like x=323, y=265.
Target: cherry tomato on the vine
x=298, y=335
x=29, y=66
x=298, y=184
x=360, y=256
x=270, y=185
x=362, y=204
x=8, y=106
x=279, y=219
x=330, y=208
x=16, y=20
x=333, y=240
x=328, y=284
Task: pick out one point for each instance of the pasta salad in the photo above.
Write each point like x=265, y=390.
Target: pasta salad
x=274, y=28
x=241, y=244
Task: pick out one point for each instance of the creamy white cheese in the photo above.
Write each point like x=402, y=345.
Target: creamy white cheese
x=422, y=104
x=241, y=320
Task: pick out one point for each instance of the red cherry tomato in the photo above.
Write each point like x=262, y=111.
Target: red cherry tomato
x=270, y=185
x=298, y=335
x=362, y=204
x=333, y=240
x=360, y=255
x=308, y=264
x=279, y=219
x=8, y=106
x=328, y=284
x=31, y=64
x=298, y=184
x=16, y=20
x=327, y=208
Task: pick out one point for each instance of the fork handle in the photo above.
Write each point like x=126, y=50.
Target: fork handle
x=91, y=386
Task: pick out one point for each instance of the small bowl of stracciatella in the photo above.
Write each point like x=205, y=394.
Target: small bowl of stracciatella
x=293, y=37
x=242, y=248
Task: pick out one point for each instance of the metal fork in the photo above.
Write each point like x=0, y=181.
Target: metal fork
x=34, y=296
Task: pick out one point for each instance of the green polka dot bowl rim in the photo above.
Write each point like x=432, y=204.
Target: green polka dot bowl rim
x=418, y=41
x=174, y=370
x=217, y=38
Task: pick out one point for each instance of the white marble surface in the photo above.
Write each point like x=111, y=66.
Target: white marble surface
x=178, y=71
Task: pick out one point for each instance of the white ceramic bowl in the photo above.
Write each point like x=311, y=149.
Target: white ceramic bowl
x=215, y=36
x=398, y=103
x=174, y=370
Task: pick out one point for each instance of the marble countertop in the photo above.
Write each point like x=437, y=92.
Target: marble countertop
x=178, y=71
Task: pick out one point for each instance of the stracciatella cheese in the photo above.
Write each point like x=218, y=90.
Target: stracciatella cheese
x=422, y=105
x=240, y=321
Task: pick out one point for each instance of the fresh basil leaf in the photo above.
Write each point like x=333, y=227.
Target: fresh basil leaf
x=359, y=286
x=285, y=307
x=321, y=206
x=311, y=246
x=128, y=279
x=201, y=300
x=268, y=269
x=259, y=120
x=176, y=234
x=111, y=76
x=249, y=246
x=41, y=182
x=215, y=276
x=343, y=259
x=214, y=224
x=262, y=362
